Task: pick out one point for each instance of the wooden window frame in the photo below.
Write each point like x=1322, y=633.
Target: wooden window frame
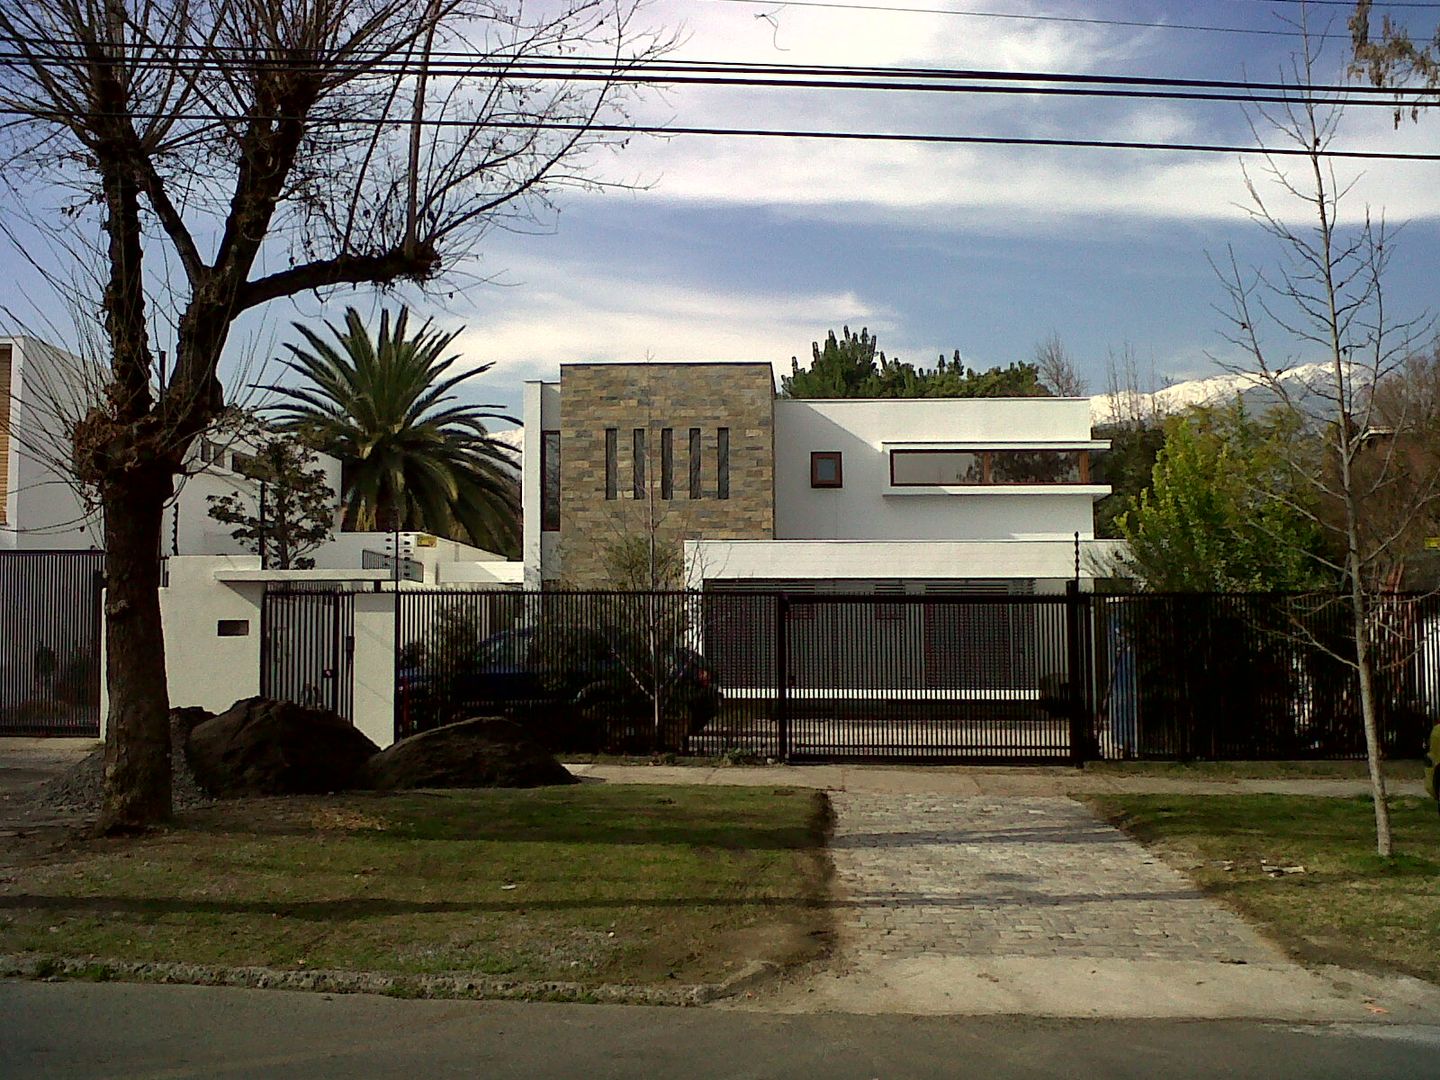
x=986, y=469
x=818, y=456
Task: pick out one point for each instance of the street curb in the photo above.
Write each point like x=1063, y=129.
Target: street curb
x=480, y=988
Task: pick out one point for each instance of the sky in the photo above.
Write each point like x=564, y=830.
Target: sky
x=750, y=249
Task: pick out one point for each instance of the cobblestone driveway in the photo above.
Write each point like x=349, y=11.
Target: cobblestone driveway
x=923, y=875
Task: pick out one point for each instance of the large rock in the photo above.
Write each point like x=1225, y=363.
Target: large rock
x=264, y=747
x=486, y=752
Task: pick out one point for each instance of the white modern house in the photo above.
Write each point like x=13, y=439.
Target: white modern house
x=972, y=495
x=42, y=391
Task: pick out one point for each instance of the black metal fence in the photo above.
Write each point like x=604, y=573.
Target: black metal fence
x=50, y=642
x=1255, y=676
x=919, y=677
x=767, y=674
x=307, y=648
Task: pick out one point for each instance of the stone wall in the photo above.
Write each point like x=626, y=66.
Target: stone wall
x=594, y=397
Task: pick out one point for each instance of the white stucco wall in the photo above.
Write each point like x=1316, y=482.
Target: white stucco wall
x=863, y=510
x=44, y=511
x=373, y=667
x=1054, y=560
x=201, y=667
x=541, y=412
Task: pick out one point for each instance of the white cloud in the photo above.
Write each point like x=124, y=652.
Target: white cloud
x=1014, y=187
x=566, y=315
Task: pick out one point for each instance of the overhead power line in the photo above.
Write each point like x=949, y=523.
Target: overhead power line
x=401, y=123
x=538, y=67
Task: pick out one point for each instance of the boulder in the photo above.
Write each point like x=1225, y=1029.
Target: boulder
x=485, y=752
x=264, y=747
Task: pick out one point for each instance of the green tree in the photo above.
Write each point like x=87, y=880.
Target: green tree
x=386, y=407
x=1127, y=467
x=839, y=369
x=293, y=514
x=852, y=366
x=1225, y=510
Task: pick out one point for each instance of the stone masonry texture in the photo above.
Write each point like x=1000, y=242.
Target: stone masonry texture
x=936, y=875
x=593, y=397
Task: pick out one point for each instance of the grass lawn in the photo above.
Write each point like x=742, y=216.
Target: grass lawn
x=589, y=884
x=1349, y=907
x=1258, y=770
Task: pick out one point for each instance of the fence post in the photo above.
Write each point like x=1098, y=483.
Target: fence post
x=1075, y=662
x=782, y=674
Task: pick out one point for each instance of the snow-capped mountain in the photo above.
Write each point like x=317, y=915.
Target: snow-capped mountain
x=513, y=438
x=1308, y=384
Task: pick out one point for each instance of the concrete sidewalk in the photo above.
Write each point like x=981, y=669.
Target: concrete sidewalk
x=978, y=780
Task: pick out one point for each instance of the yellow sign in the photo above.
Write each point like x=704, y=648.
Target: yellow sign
x=426, y=540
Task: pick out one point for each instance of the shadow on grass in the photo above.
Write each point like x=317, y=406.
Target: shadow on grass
x=380, y=907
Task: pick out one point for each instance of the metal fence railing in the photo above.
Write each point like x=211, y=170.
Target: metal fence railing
x=766, y=674
x=307, y=646
x=920, y=677
x=1256, y=676
x=50, y=642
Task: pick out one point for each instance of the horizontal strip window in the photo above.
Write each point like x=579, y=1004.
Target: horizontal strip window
x=965, y=468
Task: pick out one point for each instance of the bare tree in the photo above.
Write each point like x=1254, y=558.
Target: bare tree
x=1057, y=367
x=1326, y=298
x=223, y=155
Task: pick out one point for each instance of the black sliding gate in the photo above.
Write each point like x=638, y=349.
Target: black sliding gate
x=50, y=642
x=927, y=678
x=307, y=646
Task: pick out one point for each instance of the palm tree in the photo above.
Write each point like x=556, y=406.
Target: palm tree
x=386, y=408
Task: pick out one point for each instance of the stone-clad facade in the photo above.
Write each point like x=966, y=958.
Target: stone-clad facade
x=736, y=397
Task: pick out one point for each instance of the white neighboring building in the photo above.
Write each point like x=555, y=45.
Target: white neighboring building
x=40, y=508
x=853, y=495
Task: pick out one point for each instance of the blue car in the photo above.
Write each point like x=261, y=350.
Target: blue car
x=577, y=688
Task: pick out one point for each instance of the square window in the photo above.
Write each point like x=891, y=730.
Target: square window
x=825, y=471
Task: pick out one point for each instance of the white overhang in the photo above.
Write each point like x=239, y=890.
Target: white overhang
x=996, y=444
x=914, y=559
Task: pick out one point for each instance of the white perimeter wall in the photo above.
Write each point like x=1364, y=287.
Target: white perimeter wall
x=541, y=412
x=861, y=511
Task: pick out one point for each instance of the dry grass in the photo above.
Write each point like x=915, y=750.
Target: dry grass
x=1348, y=907
x=585, y=884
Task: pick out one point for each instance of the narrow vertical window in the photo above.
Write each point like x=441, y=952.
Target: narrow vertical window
x=695, y=491
x=550, y=481
x=612, y=464
x=638, y=461
x=722, y=463
x=667, y=463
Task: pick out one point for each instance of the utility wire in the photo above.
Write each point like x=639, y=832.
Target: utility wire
x=653, y=70
x=1363, y=98
x=403, y=123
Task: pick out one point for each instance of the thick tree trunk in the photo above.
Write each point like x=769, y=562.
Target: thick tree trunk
x=137, y=735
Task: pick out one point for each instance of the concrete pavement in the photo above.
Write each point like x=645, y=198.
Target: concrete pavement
x=85, y=1031
x=974, y=780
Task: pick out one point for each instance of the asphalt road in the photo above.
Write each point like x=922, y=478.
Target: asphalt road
x=138, y=1032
